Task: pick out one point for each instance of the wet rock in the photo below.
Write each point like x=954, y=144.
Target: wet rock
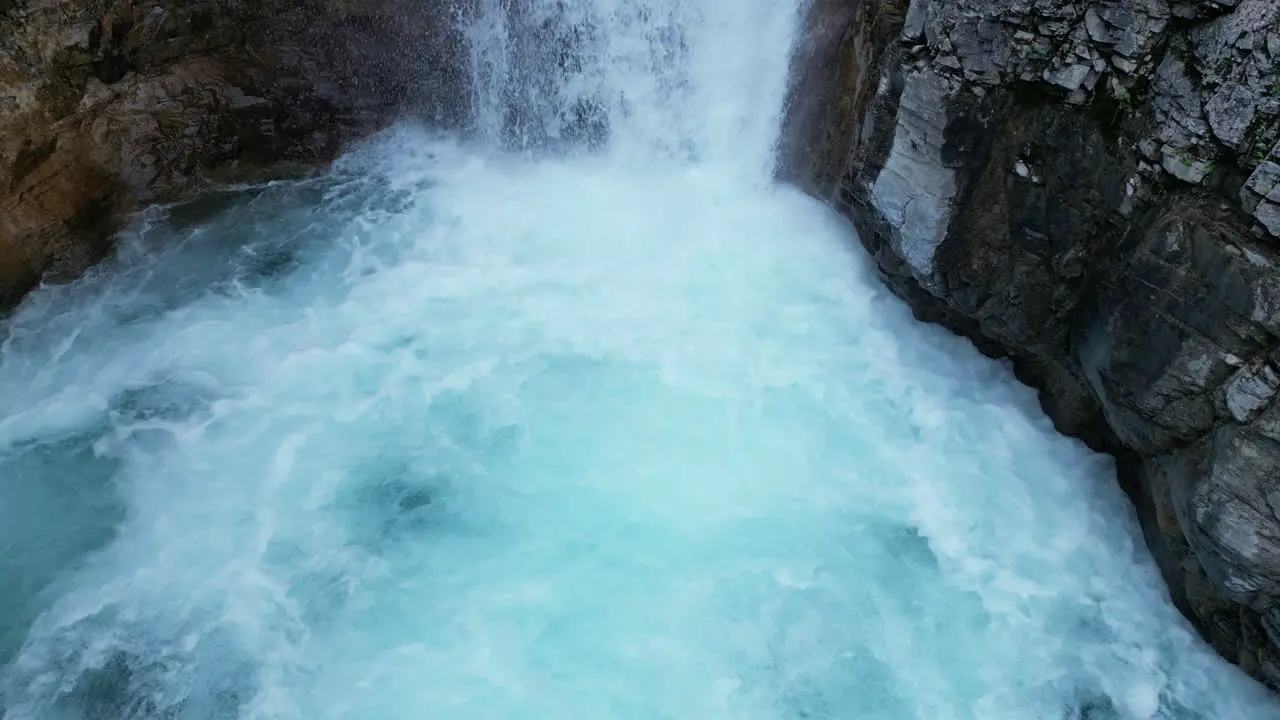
x=1168, y=334
x=108, y=105
x=914, y=190
x=1261, y=193
x=1251, y=390
x=1092, y=189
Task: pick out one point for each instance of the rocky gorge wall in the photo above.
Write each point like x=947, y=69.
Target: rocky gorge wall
x=107, y=105
x=1091, y=188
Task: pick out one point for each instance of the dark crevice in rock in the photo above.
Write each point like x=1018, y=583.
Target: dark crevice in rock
x=29, y=158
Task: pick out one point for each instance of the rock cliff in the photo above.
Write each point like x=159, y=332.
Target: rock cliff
x=1092, y=188
x=107, y=104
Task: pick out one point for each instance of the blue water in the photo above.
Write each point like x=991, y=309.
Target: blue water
x=531, y=426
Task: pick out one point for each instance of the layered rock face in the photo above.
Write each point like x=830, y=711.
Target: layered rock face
x=108, y=104
x=1091, y=187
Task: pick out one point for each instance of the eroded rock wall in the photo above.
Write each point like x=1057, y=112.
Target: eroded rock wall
x=108, y=104
x=1090, y=187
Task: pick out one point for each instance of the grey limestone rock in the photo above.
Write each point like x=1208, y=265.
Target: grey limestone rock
x=914, y=191
x=1261, y=193
x=1092, y=188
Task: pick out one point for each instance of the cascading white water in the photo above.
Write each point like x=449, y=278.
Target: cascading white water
x=637, y=81
x=609, y=429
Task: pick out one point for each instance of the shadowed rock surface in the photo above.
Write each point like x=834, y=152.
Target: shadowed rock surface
x=107, y=105
x=1090, y=188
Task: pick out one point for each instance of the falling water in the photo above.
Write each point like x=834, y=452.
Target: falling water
x=581, y=419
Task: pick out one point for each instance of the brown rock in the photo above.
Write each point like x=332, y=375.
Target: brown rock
x=108, y=104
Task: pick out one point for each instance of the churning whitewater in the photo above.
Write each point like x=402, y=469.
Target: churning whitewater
x=583, y=419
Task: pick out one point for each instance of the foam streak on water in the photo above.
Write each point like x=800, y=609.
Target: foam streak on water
x=585, y=421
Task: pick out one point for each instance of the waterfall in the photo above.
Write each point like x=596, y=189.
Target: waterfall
x=661, y=79
x=578, y=416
